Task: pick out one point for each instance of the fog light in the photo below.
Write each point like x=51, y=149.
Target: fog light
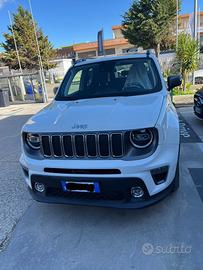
x=137, y=192
x=39, y=187
x=159, y=175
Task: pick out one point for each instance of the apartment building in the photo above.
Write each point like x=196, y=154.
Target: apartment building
x=111, y=46
x=118, y=44
x=186, y=25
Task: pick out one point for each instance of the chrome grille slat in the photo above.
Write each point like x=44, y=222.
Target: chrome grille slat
x=51, y=146
x=99, y=138
x=73, y=145
x=90, y=146
x=85, y=145
x=99, y=143
x=80, y=149
x=45, y=148
x=59, y=145
x=62, y=146
x=70, y=154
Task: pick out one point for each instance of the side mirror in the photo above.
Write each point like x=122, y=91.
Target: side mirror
x=174, y=81
x=55, y=90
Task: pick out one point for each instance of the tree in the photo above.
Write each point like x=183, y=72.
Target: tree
x=147, y=22
x=187, y=55
x=26, y=43
x=168, y=41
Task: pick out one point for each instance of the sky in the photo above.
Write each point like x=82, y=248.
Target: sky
x=74, y=21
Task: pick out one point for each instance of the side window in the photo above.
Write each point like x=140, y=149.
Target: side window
x=75, y=84
x=89, y=78
x=141, y=75
x=150, y=72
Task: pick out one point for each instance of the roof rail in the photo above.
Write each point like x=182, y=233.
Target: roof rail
x=76, y=61
x=150, y=51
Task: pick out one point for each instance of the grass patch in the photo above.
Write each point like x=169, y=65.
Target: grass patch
x=180, y=92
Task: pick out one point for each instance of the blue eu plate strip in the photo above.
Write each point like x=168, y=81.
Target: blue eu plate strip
x=63, y=184
x=96, y=188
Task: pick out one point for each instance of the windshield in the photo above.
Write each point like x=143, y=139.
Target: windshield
x=110, y=78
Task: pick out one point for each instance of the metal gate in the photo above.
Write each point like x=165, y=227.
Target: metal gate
x=22, y=87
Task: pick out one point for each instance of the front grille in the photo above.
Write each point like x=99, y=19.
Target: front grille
x=82, y=171
x=104, y=145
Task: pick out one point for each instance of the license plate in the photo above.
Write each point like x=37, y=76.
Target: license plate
x=90, y=187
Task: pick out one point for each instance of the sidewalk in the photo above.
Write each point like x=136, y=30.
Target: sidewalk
x=14, y=198
x=183, y=100
x=21, y=109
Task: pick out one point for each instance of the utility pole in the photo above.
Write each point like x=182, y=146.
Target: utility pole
x=42, y=78
x=195, y=31
x=177, y=21
x=195, y=18
x=23, y=93
x=198, y=32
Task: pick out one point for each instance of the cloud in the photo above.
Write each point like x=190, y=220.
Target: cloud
x=2, y=3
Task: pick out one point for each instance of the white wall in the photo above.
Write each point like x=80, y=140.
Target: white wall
x=166, y=60
x=62, y=66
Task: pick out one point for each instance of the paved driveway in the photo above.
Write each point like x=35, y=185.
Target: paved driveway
x=167, y=235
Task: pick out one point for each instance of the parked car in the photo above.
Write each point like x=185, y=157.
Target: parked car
x=107, y=139
x=198, y=77
x=198, y=103
x=199, y=80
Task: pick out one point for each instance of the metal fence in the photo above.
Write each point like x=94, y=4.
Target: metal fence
x=22, y=87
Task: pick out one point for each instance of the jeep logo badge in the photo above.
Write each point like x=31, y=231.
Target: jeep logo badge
x=79, y=126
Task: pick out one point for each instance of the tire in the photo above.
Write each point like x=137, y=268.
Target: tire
x=176, y=181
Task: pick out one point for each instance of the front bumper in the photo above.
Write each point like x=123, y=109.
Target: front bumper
x=132, y=172
x=114, y=193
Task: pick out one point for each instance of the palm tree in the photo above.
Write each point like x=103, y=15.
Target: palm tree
x=187, y=54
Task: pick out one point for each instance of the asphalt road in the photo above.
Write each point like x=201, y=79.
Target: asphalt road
x=167, y=235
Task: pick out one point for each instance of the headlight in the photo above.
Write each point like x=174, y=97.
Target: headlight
x=33, y=140
x=141, y=138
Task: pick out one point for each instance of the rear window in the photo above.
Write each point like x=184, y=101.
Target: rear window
x=111, y=78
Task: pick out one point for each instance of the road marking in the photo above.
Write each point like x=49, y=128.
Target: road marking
x=187, y=134
x=196, y=174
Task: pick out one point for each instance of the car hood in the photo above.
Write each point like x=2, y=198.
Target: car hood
x=98, y=114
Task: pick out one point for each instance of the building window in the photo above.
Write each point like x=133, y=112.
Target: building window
x=201, y=40
x=110, y=51
x=87, y=54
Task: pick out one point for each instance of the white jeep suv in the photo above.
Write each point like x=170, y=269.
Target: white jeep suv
x=109, y=138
